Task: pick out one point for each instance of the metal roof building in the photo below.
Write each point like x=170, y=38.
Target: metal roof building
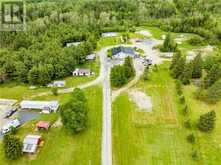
x=41, y=105
x=30, y=143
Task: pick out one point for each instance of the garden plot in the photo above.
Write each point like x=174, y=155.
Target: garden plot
x=142, y=101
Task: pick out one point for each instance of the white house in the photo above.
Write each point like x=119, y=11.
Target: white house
x=82, y=72
x=109, y=34
x=45, y=106
x=30, y=143
x=58, y=84
x=7, y=127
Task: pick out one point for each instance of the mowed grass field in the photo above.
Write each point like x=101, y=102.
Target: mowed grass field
x=209, y=143
x=62, y=148
x=157, y=138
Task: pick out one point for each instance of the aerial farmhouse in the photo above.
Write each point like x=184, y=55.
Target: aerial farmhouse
x=82, y=72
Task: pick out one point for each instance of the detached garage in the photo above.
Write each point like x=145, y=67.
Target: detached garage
x=45, y=106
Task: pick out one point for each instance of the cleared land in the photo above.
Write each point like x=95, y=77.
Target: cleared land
x=62, y=148
x=157, y=138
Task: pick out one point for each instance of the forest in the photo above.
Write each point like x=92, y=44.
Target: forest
x=39, y=55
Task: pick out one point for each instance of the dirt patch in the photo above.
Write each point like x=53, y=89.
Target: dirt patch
x=143, y=101
x=144, y=33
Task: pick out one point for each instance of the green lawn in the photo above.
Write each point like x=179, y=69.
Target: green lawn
x=108, y=41
x=60, y=147
x=156, y=138
x=210, y=143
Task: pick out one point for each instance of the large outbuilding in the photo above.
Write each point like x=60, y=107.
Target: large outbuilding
x=31, y=143
x=59, y=84
x=45, y=106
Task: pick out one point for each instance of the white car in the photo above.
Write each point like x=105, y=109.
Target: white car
x=14, y=123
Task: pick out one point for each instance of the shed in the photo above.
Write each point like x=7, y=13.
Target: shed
x=109, y=34
x=90, y=57
x=59, y=84
x=46, y=106
x=68, y=44
x=43, y=125
x=30, y=143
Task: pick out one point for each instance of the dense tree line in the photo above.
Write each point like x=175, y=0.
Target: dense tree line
x=40, y=52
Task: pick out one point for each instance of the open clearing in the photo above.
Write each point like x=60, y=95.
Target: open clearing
x=155, y=138
x=143, y=101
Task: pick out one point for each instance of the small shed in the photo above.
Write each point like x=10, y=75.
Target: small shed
x=109, y=34
x=43, y=125
x=68, y=44
x=30, y=143
x=90, y=57
x=82, y=72
x=59, y=84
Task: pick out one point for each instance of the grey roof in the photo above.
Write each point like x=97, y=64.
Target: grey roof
x=121, y=49
x=30, y=143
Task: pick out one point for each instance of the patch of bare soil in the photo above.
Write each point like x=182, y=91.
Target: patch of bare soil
x=143, y=101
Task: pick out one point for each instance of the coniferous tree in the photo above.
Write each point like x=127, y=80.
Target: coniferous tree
x=169, y=45
x=146, y=73
x=206, y=122
x=129, y=68
x=175, y=58
x=178, y=68
x=197, y=66
x=187, y=74
x=213, y=75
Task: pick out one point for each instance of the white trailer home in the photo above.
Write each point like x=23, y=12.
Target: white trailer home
x=45, y=106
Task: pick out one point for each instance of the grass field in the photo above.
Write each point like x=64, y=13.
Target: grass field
x=156, y=138
x=209, y=143
x=60, y=147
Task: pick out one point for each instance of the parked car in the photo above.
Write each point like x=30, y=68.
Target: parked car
x=10, y=112
x=13, y=123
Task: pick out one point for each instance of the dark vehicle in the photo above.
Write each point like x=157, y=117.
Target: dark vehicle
x=10, y=112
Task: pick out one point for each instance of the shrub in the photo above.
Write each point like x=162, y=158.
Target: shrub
x=54, y=91
x=182, y=99
x=191, y=138
x=195, y=155
x=196, y=40
x=206, y=122
x=185, y=110
x=187, y=124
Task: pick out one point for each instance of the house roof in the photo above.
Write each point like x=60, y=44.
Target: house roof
x=43, y=124
x=82, y=70
x=121, y=49
x=30, y=143
x=28, y=104
x=31, y=139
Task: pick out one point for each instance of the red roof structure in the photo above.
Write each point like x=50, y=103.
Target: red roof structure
x=43, y=125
